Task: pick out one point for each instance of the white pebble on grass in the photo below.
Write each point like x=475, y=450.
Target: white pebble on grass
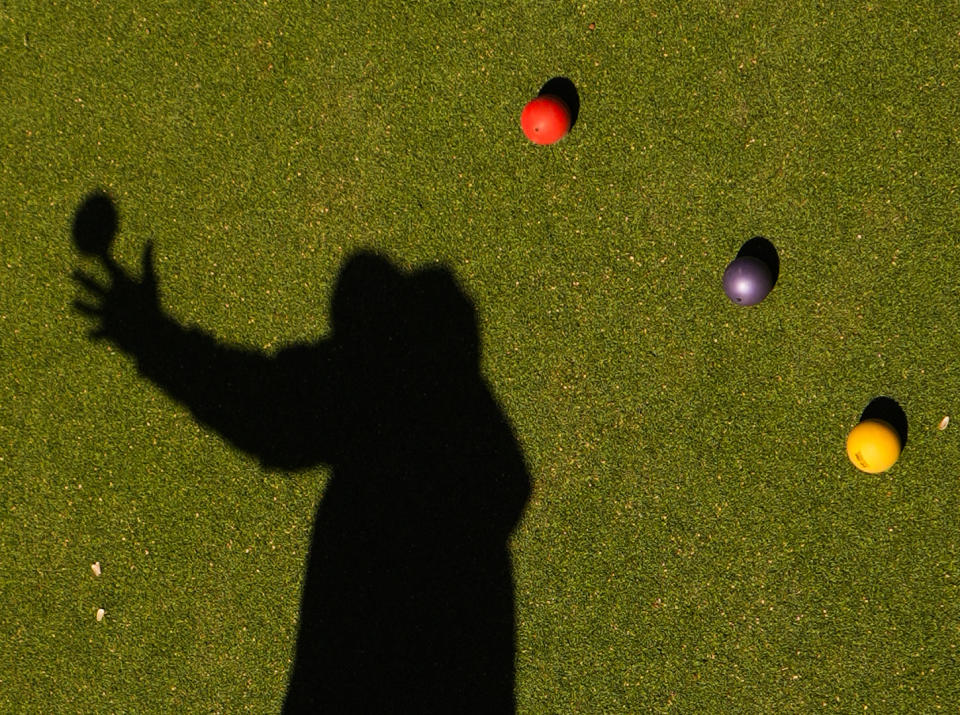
x=943, y=423
x=100, y=613
x=95, y=567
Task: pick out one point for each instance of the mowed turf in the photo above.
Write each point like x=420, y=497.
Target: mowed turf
x=697, y=540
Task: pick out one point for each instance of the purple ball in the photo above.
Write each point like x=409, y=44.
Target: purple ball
x=747, y=280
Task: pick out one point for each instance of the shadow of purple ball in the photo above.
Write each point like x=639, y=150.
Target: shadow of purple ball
x=747, y=280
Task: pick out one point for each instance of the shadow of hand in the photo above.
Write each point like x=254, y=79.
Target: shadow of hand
x=128, y=309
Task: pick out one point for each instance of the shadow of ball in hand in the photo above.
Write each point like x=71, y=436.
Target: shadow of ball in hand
x=95, y=225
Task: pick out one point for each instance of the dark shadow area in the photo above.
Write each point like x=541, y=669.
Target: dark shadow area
x=95, y=225
x=889, y=410
x=407, y=604
x=564, y=89
x=762, y=249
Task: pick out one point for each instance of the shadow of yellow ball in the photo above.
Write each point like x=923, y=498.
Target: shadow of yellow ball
x=873, y=446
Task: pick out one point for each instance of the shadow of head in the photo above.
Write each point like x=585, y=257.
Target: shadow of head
x=416, y=317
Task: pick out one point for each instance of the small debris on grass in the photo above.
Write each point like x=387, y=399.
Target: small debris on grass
x=943, y=423
x=100, y=613
x=95, y=567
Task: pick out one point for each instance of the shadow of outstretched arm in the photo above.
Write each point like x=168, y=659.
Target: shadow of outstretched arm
x=255, y=401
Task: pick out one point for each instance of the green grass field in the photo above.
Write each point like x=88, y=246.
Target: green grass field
x=697, y=540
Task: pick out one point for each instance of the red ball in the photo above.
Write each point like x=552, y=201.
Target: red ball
x=545, y=119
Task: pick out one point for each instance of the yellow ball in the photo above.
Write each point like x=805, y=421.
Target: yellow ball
x=873, y=446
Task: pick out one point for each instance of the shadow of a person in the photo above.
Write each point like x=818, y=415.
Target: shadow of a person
x=407, y=604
